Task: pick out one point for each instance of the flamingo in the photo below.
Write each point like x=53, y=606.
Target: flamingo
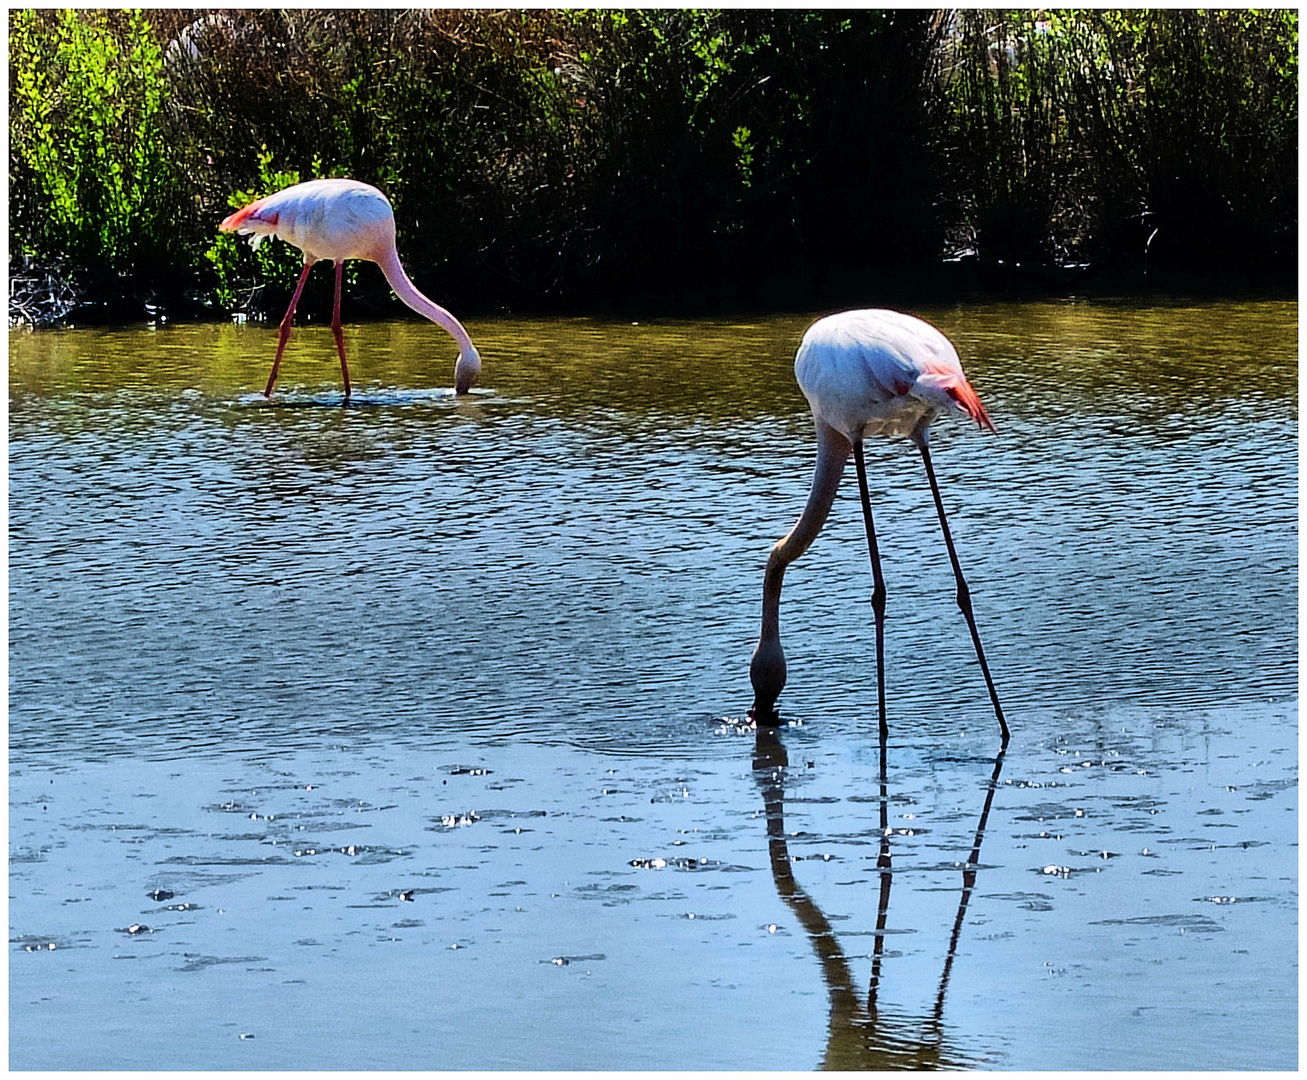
x=337, y=220
x=865, y=373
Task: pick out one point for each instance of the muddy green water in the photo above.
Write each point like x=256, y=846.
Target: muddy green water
x=408, y=734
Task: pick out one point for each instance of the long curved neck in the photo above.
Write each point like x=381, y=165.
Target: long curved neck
x=429, y=309
x=833, y=451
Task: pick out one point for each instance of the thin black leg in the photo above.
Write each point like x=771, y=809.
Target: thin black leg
x=878, y=591
x=964, y=594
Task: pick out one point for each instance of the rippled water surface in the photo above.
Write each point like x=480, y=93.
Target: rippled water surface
x=409, y=734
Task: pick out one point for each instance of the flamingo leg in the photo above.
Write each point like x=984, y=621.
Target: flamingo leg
x=336, y=328
x=964, y=594
x=286, y=325
x=878, y=592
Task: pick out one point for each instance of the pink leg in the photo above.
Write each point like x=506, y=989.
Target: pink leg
x=285, y=327
x=336, y=327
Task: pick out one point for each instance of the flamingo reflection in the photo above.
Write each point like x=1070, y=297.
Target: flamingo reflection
x=866, y=1036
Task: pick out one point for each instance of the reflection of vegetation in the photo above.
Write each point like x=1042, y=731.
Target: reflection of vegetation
x=1031, y=362
x=570, y=155
x=1160, y=360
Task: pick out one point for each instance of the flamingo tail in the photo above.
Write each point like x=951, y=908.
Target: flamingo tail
x=247, y=217
x=969, y=402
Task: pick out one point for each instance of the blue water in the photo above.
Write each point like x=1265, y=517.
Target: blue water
x=289, y=661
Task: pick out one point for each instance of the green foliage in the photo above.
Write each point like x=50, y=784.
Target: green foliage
x=277, y=264
x=459, y=117
x=1113, y=133
x=90, y=173
x=575, y=156
x=741, y=139
x=741, y=148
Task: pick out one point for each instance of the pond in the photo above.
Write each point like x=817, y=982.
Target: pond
x=412, y=734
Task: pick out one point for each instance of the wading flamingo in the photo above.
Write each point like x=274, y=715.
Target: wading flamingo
x=865, y=373
x=338, y=220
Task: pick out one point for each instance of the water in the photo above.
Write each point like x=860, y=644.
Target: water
x=426, y=711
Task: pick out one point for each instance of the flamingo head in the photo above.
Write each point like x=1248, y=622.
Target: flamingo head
x=767, y=674
x=466, y=369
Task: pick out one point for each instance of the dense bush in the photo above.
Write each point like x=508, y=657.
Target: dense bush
x=1119, y=134
x=569, y=156
x=90, y=173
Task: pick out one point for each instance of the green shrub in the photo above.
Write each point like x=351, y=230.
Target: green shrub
x=239, y=266
x=91, y=177
x=1109, y=134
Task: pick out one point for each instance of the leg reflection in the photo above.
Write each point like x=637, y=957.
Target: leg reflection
x=885, y=864
x=968, y=884
x=865, y=1037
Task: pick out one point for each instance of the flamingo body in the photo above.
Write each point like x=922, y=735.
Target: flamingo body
x=865, y=373
x=335, y=220
x=325, y=219
x=882, y=373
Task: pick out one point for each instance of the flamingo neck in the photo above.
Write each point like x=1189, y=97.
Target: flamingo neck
x=833, y=451
x=469, y=361
x=767, y=668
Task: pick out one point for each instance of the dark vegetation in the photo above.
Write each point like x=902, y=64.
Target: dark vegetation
x=664, y=159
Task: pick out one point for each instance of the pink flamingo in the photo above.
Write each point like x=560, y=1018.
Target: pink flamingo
x=865, y=373
x=339, y=220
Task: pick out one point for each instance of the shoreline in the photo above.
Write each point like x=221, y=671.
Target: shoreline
x=54, y=294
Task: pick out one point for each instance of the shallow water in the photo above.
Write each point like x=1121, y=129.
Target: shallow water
x=426, y=711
